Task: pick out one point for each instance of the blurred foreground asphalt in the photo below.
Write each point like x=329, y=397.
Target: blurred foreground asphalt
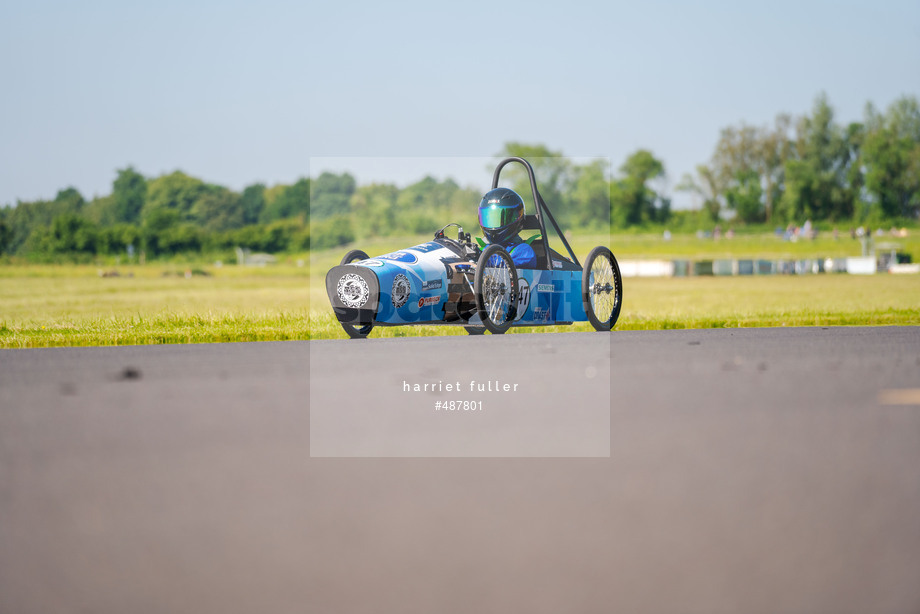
x=760, y=470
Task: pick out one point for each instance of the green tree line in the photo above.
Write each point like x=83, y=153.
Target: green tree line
x=813, y=167
x=809, y=167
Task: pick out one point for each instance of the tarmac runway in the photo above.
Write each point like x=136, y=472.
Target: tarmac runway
x=757, y=470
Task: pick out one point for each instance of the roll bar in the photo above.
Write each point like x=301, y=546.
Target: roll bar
x=541, y=208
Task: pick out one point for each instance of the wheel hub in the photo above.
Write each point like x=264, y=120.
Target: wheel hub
x=605, y=289
x=493, y=289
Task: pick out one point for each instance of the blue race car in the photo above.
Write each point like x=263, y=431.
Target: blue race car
x=477, y=285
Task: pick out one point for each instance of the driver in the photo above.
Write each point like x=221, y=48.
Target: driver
x=501, y=217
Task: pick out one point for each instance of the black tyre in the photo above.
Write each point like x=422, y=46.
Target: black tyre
x=496, y=289
x=474, y=330
x=353, y=256
x=602, y=289
x=350, y=329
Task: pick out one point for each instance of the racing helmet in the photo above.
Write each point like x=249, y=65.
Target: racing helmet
x=501, y=214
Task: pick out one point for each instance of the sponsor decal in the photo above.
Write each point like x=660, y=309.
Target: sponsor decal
x=545, y=288
x=540, y=314
x=428, y=300
x=432, y=284
x=353, y=290
x=427, y=247
x=557, y=264
x=405, y=257
x=400, y=293
x=369, y=263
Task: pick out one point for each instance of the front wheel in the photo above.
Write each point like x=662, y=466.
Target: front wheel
x=495, y=288
x=602, y=288
x=350, y=329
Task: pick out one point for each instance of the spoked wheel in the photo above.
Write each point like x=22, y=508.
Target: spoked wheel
x=495, y=288
x=353, y=331
x=602, y=288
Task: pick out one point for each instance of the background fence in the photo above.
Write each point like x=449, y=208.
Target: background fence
x=863, y=265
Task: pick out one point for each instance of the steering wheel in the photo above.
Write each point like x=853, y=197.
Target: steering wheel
x=464, y=241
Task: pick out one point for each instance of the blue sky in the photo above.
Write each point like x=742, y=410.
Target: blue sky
x=236, y=93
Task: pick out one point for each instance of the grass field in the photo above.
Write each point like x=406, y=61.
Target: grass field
x=759, y=245
x=47, y=306
x=687, y=245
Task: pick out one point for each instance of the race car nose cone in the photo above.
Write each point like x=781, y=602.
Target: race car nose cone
x=353, y=291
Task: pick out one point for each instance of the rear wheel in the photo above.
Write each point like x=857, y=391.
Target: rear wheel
x=602, y=288
x=350, y=329
x=495, y=288
x=474, y=330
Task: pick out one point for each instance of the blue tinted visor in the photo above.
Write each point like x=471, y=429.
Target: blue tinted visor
x=495, y=216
